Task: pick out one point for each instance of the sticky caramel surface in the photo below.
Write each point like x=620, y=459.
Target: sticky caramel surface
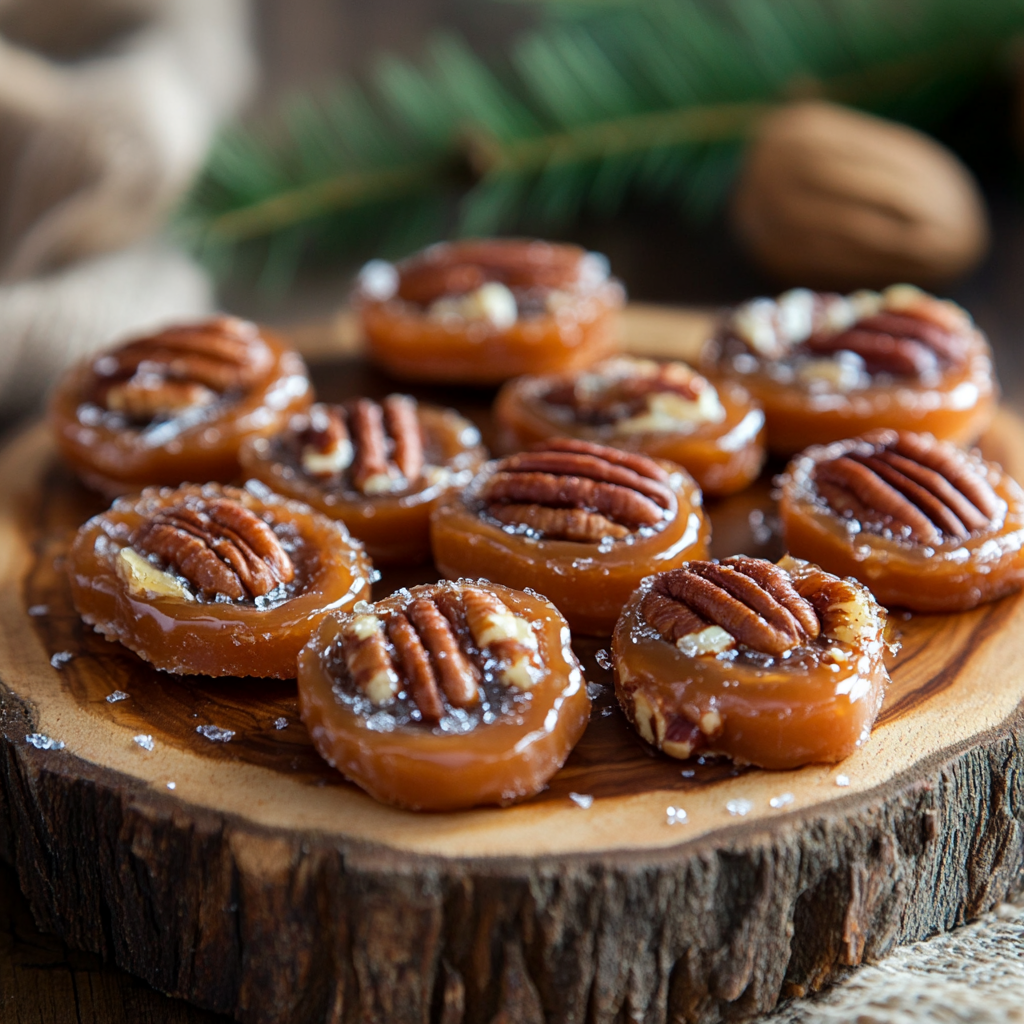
x=116, y=455
x=503, y=748
x=723, y=457
x=394, y=526
x=410, y=344
x=950, y=575
x=816, y=703
x=195, y=633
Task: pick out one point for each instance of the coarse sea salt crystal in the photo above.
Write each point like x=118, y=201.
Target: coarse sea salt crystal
x=113, y=698
x=584, y=800
x=281, y=723
x=675, y=816
x=144, y=740
x=842, y=780
x=738, y=808
x=39, y=609
x=172, y=785
x=43, y=742
x=215, y=733
x=782, y=800
x=61, y=658
x=603, y=658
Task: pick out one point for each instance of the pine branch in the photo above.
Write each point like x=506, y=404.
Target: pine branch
x=606, y=99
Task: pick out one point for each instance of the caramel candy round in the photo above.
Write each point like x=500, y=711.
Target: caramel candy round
x=665, y=410
x=176, y=405
x=378, y=467
x=214, y=580
x=827, y=367
x=925, y=525
x=773, y=665
x=482, y=311
x=445, y=696
x=578, y=522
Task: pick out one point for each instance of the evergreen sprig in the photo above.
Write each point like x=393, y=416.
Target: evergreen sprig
x=604, y=100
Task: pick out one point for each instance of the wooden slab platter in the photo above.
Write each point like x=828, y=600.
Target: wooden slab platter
x=252, y=879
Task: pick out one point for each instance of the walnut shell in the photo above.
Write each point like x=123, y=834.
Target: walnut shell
x=831, y=197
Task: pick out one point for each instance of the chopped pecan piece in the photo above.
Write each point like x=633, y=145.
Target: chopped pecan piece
x=324, y=445
x=571, y=476
x=404, y=427
x=510, y=639
x=367, y=658
x=387, y=444
x=723, y=595
x=181, y=367
x=221, y=548
x=910, y=485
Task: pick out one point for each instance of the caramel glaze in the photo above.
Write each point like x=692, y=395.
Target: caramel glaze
x=412, y=345
x=116, y=452
x=609, y=761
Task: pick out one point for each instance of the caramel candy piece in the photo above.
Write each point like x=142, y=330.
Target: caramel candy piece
x=827, y=367
x=214, y=580
x=774, y=665
x=665, y=410
x=579, y=522
x=927, y=526
x=482, y=311
x=176, y=405
x=378, y=467
x=447, y=696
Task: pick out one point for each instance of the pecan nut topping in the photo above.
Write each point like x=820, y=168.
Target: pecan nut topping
x=379, y=445
x=575, y=490
x=181, y=367
x=435, y=650
x=221, y=548
x=710, y=607
x=910, y=485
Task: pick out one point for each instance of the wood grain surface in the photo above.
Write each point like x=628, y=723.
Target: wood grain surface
x=265, y=886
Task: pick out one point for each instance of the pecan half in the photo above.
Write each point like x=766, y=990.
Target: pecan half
x=380, y=444
x=911, y=485
x=752, y=601
x=220, y=547
x=510, y=639
x=606, y=485
x=181, y=367
x=902, y=345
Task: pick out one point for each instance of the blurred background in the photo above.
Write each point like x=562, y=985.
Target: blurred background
x=159, y=158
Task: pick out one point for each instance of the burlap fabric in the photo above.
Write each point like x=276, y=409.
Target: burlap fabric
x=107, y=109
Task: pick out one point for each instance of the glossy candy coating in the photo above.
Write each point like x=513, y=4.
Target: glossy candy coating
x=393, y=526
x=947, y=574
x=562, y=318
x=776, y=712
x=445, y=767
x=115, y=454
x=588, y=582
x=723, y=455
x=192, y=633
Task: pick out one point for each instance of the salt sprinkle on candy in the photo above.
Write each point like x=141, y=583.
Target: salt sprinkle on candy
x=39, y=609
x=61, y=658
x=738, y=808
x=144, y=740
x=675, y=816
x=603, y=658
x=113, y=698
x=842, y=780
x=782, y=800
x=281, y=723
x=215, y=733
x=584, y=800
x=172, y=785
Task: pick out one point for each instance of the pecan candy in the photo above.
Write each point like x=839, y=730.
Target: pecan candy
x=776, y=665
x=581, y=522
x=829, y=366
x=482, y=311
x=380, y=467
x=663, y=410
x=445, y=696
x=176, y=405
x=214, y=580
x=926, y=525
